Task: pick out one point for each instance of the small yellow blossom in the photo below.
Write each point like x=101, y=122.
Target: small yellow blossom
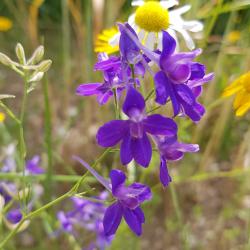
x=103, y=39
x=240, y=87
x=5, y=24
x=234, y=36
x=2, y=117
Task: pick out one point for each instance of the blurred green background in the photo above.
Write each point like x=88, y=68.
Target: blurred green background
x=208, y=203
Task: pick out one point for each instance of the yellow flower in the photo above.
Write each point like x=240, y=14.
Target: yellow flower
x=2, y=117
x=5, y=24
x=103, y=41
x=234, y=36
x=240, y=87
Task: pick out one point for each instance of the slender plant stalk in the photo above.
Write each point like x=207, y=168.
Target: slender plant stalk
x=182, y=227
x=48, y=139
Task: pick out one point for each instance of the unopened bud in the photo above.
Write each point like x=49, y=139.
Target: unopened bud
x=36, y=77
x=37, y=55
x=20, y=53
x=5, y=60
x=24, y=193
x=6, y=96
x=44, y=66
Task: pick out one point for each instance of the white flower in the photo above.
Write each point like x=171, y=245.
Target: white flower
x=151, y=17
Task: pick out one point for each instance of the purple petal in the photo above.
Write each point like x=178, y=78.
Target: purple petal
x=141, y=150
x=160, y=80
x=112, y=218
x=88, y=89
x=168, y=48
x=183, y=147
x=195, y=111
x=197, y=71
x=200, y=82
x=65, y=222
x=160, y=125
x=102, y=98
x=128, y=49
x=140, y=69
x=185, y=94
x=143, y=191
x=32, y=166
x=197, y=91
x=117, y=178
x=14, y=216
x=112, y=62
x=111, y=133
x=103, y=181
x=125, y=150
x=133, y=221
x=172, y=93
x=134, y=101
x=181, y=73
x=140, y=215
x=164, y=175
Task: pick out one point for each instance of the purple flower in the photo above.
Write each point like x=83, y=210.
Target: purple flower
x=134, y=132
x=177, y=78
x=33, y=167
x=171, y=150
x=112, y=73
x=178, y=75
x=87, y=215
x=127, y=204
x=14, y=216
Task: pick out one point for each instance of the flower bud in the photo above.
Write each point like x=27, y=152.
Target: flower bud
x=5, y=60
x=20, y=53
x=44, y=66
x=37, y=55
x=36, y=77
x=6, y=96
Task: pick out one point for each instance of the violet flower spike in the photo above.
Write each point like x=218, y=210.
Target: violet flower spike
x=133, y=133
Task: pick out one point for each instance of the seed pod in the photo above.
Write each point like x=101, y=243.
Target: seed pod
x=20, y=53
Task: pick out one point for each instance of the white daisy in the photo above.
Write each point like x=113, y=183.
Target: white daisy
x=151, y=17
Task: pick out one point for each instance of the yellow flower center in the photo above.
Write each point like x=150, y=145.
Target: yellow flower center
x=152, y=17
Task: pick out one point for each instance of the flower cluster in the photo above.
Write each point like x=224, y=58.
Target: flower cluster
x=178, y=81
x=11, y=196
x=87, y=215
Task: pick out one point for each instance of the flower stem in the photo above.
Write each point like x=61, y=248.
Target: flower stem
x=22, y=145
x=48, y=139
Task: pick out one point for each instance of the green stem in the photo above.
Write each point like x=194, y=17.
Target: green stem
x=116, y=104
x=48, y=138
x=22, y=145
